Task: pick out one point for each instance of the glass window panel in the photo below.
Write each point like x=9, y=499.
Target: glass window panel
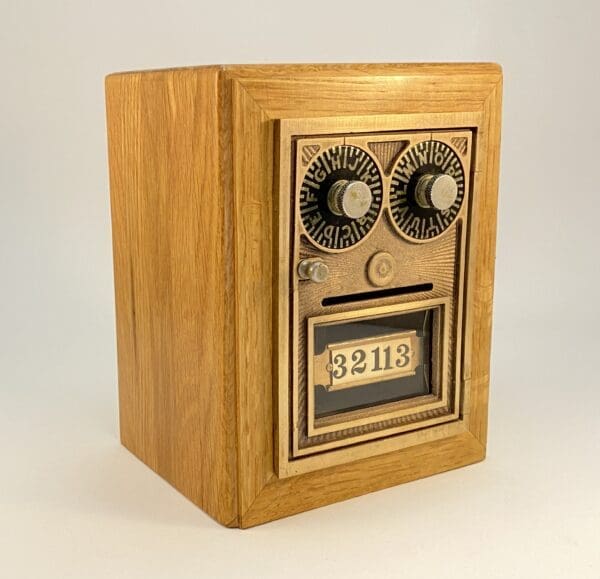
x=373, y=357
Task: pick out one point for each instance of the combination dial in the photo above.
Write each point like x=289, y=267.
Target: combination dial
x=427, y=190
x=341, y=197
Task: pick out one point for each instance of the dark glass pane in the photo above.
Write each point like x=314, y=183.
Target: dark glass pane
x=328, y=402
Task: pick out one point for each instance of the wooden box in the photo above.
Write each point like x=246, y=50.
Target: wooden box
x=218, y=385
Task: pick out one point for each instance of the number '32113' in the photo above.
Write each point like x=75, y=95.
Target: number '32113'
x=372, y=360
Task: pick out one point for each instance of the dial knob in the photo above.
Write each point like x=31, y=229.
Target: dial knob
x=349, y=198
x=314, y=269
x=436, y=191
x=333, y=230
x=436, y=171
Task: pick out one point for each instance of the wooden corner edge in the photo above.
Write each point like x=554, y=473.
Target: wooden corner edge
x=284, y=497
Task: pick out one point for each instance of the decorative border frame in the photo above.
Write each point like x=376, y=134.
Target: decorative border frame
x=406, y=97
x=411, y=406
x=298, y=132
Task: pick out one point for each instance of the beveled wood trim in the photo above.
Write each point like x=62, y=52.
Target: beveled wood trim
x=288, y=496
x=314, y=91
x=482, y=275
x=483, y=70
x=252, y=155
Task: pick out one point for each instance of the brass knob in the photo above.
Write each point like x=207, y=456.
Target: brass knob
x=381, y=268
x=349, y=198
x=313, y=269
x=436, y=191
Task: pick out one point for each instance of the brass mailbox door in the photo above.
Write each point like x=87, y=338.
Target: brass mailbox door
x=379, y=225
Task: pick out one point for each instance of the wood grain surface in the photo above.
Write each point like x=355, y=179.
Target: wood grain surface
x=176, y=399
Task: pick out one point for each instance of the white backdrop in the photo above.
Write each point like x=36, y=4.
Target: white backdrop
x=73, y=503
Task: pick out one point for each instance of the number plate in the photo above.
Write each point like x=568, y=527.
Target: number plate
x=358, y=362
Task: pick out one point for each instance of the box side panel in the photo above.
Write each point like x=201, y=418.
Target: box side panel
x=177, y=408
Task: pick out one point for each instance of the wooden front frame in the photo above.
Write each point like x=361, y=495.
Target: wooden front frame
x=410, y=96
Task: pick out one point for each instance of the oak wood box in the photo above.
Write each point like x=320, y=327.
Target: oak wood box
x=201, y=178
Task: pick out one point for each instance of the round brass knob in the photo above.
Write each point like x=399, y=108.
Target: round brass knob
x=349, y=198
x=436, y=192
x=313, y=269
x=381, y=268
